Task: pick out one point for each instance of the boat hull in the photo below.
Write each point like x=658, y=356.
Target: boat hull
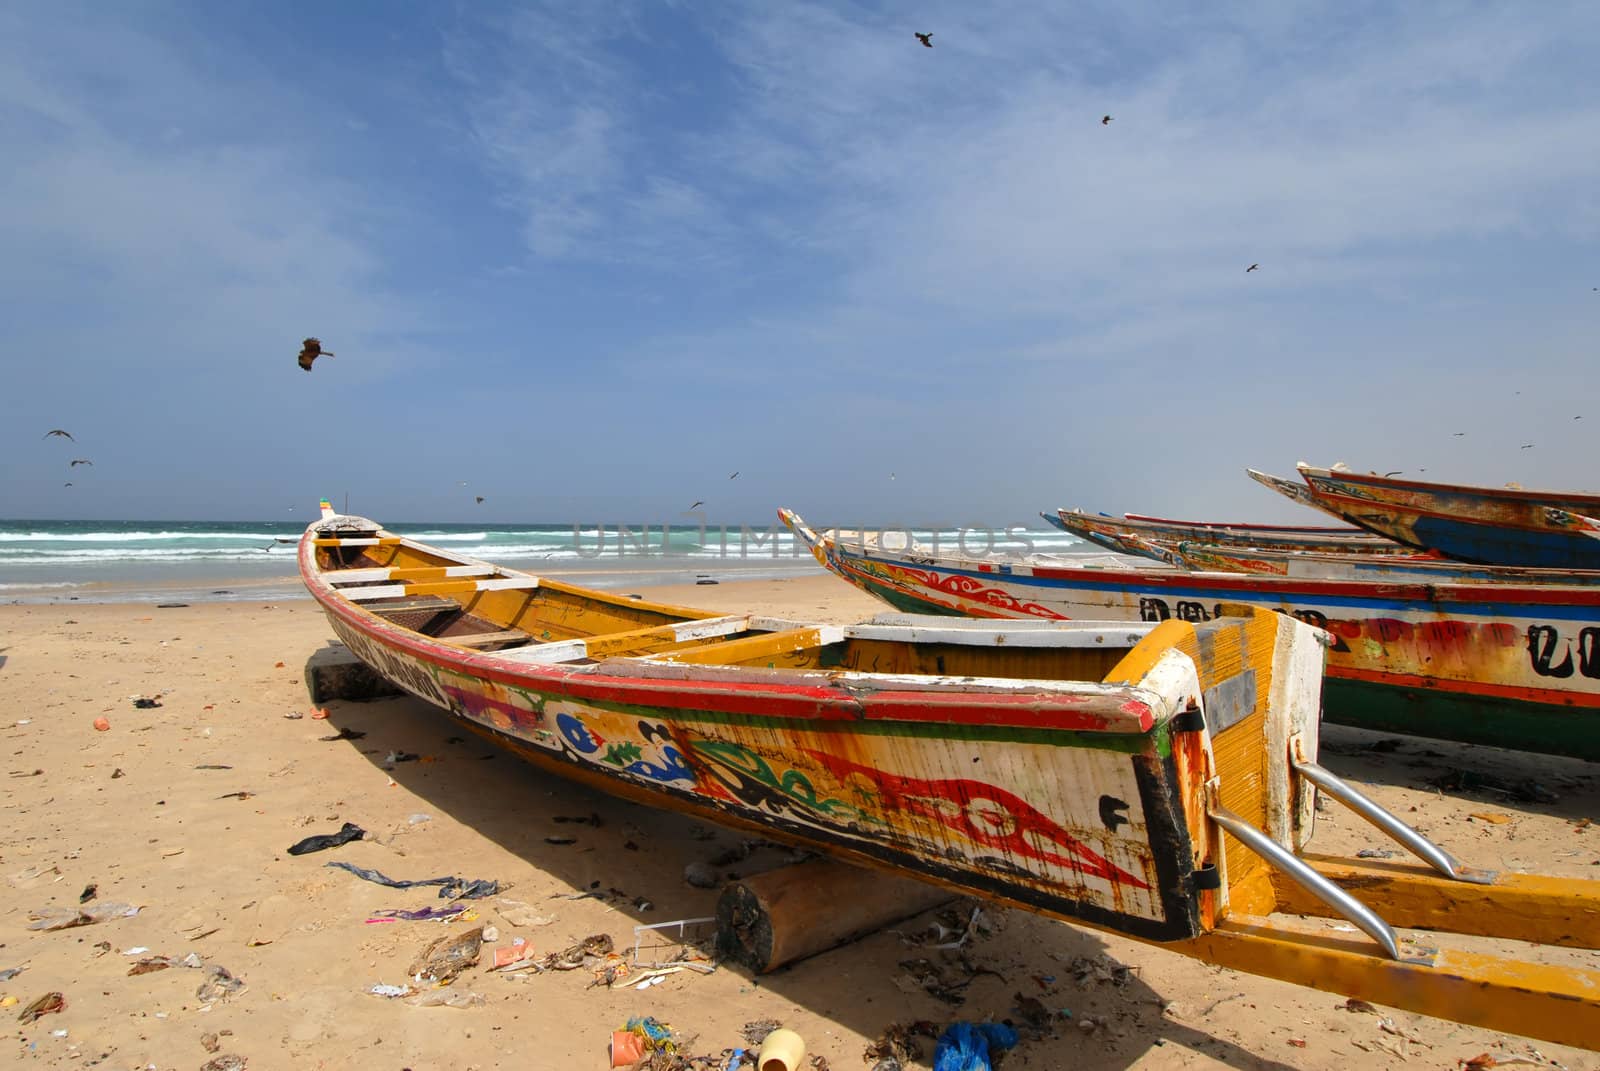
x=825, y=782
x=1503, y=665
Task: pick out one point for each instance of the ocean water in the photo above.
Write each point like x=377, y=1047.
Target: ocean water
x=118, y=561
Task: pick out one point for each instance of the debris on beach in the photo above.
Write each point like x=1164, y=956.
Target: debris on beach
x=447, y=957
x=348, y=832
x=1034, y=1012
x=701, y=875
x=218, y=985
x=947, y=979
x=591, y=820
x=102, y=725
x=143, y=702
x=971, y=1046
x=898, y=1043
x=1097, y=970
x=513, y=957
x=10, y=973
x=50, y=1002
x=519, y=914
x=346, y=733
x=586, y=953
x=390, y=991
x=445, y=998
x=225, y=1062
x=89, y=893
x=756, y=1030
x=1525, y=790
x=64, y=918
x=450, y=888
x=425, y=914
x=151, y=964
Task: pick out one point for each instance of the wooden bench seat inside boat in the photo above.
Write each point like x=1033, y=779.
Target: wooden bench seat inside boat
x=931, y=645
x=403, y=605
x=481, y=640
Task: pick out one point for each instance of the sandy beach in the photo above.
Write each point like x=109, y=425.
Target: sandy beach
x=184, y=810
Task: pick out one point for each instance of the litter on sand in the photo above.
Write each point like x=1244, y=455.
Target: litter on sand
x=447, y=957
x=424, y=914
x=451, y=888
x=218, y=984
x=970, y=1046
x=347, y=833
x=50, y=1002
x=63, y=918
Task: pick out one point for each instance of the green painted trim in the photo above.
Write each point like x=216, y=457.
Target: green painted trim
x=1469, y=719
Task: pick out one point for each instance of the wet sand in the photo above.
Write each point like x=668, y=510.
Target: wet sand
x=140, y=812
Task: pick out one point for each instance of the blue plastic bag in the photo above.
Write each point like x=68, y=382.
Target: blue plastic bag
x=966, y=1046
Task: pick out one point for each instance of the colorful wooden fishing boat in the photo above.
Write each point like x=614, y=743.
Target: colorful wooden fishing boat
x=1497, y=526
x=1134, y=534
x=1154, y=779
x=1506, y=664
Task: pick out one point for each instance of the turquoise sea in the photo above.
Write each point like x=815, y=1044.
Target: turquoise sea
x=118, y=561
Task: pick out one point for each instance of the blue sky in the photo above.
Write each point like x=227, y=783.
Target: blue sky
x=593, y=258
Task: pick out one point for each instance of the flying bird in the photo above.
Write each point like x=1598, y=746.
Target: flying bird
x=925, y=38
x=310, y=351
x=479, y=498
x=1251, y=268
x=697, y=504
x=1396, y=472
x=1458, y=434
x=75, y=462
x=735, y=475
x=57, y=431
x=1105, y=120
x=1527, y=446
x=66, y=485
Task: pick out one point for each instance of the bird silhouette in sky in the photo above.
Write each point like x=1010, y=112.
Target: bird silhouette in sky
x=735, y=475
x=67, y=484
x=1458, y=434
x=925, y=38
x=57, y=431
x=1396, y=472
x=1251, y=268
x=698, y=504
x=479, y=498
x=1527, y=446
x=310, y=350
x=75, y=462
x=1105, y=120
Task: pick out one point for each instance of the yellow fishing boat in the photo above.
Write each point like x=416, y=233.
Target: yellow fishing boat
x=1154, y=779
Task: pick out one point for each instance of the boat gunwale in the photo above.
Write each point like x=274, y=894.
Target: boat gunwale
x=1521, y=494
x=1365, y=590
x=1075, y=706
